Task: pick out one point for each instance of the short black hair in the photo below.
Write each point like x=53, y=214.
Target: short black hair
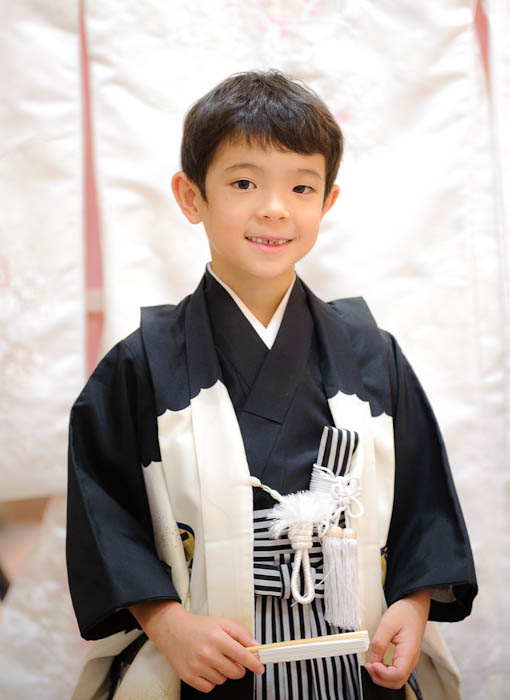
x=262, y=107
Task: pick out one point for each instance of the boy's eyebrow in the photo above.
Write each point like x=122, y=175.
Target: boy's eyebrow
x=242, y=165
x=310, y=171
x=304, y=171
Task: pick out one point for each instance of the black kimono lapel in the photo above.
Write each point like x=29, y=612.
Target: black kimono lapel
x=261, y=382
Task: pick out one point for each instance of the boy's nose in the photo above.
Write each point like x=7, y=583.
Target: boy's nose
x=273, y=207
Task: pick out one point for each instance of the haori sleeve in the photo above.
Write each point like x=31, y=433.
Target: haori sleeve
x=111, y=558
x=428, y=544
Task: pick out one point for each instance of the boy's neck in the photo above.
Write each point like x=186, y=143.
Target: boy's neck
x=261, y=296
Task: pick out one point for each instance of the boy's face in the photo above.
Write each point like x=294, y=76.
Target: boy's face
x=263, y=211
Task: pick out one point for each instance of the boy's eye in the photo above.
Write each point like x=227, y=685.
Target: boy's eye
x=303, y=189
x=243, y=184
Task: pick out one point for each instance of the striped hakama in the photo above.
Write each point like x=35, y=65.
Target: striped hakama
x=279, y=618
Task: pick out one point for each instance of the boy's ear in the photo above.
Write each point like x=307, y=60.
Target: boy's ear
x=187, y=196
x=330, y=199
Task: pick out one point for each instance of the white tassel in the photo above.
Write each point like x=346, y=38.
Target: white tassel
x=341, y=584
x=340, y=548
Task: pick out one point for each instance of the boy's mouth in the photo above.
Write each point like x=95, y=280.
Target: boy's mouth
x=267, y=241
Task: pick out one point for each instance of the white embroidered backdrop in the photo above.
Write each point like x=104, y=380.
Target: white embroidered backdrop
x=42, y=324
x=421, y=230
x=41, y=251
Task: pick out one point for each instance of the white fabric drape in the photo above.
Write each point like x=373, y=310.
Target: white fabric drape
x=42, y=334
x=496, y=535
x=414, y=230
x=41, y=652
x=498, y=12
x=41, y=249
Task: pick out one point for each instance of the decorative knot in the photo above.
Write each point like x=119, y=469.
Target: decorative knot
x=343, y=491
x=300, y=535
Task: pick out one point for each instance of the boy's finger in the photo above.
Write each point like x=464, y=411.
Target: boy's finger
x=228, y=668
x=391, y=674
x=396, y=673
x=239, y=653
x=384, y=634
x=200, y=683
x=238, y=633
x=387, y=676
x=249, y=660
x=214, y=676
x=241, y=638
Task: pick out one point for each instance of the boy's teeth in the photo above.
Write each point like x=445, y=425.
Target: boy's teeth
x=255, y=239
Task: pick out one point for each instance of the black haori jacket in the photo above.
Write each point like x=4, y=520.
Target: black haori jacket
x=159, y=475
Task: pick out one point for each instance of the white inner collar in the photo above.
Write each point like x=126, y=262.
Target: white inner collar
x=266, y=333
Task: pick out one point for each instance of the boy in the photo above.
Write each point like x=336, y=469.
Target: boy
x=240, y=379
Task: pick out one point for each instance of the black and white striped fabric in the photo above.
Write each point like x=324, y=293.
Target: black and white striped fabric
x=279, y=618
x=336, y=449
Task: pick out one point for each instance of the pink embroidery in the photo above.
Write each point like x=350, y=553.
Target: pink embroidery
x=283, y=18
x=341, y=117
x=5, y=273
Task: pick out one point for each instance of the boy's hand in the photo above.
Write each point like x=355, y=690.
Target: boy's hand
x=204, y=651
x=403, y=624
